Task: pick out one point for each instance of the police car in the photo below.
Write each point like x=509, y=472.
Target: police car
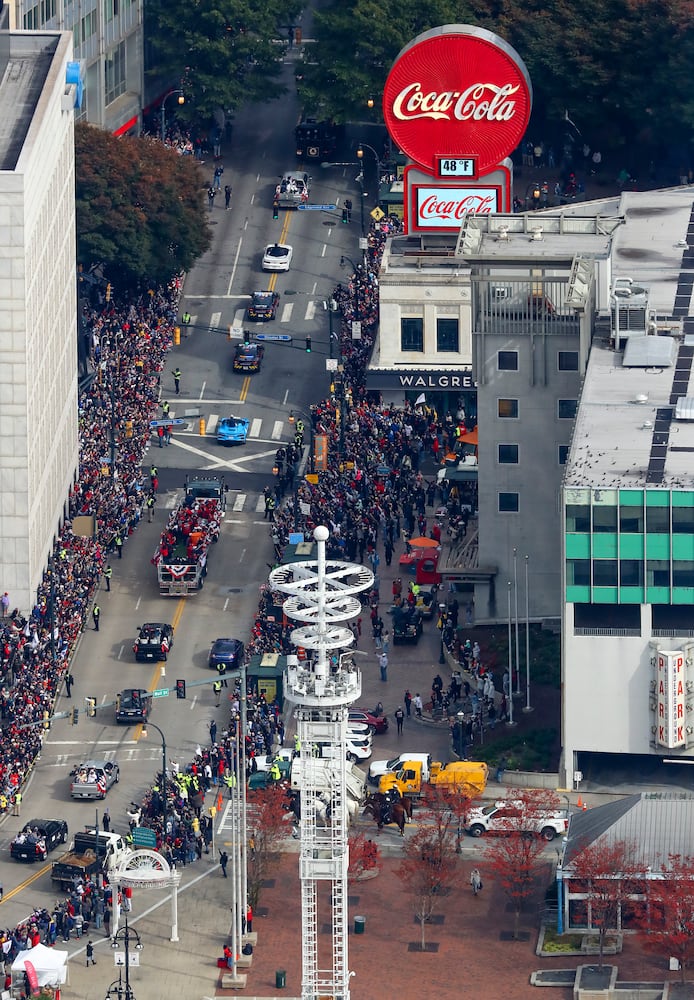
x=248, y=357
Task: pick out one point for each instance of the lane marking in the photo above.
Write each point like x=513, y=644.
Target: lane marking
x=215, y=320
x=212, y=421
x=286, y=312
x=256, y=424
x=278, y=430
x=310, y=310
x=239, y=502
x=233, y=269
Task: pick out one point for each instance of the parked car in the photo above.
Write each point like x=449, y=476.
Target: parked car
x=358, y=749
x=153, y=642
x=37, y=838
x=377, y=723
x=277, y=257
x=263, y=305
x=232, y=430
x=507, y=816
x=248, y=357
x=229, y=651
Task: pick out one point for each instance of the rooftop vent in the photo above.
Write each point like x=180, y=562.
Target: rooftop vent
x=537, y=234
x=641, y=398
x=503, y=233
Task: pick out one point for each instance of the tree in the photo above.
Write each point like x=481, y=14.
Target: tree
x=516, y=855
x=223, y=54
x=364, y=855
x=139, y=208
x=266, y=820
x=430, y=864
x=607, y=874
x=668, y=917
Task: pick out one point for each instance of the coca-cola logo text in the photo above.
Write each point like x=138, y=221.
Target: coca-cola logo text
x=479, y=101
x=455, y=209
x=457, y=91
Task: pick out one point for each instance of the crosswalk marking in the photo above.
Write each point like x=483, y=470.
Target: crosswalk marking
x=260, y=504
x=250, y=503
x=239, y=502
x=256, y=424
x=212, y=422
x=215, y=320
x=287, y=312
x=277, y=430
x=310, y=310
x=193, y=321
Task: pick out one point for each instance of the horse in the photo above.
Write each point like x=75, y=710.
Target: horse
x=322, y=805
x=386, y=810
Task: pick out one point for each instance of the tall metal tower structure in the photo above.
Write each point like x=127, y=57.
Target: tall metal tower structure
x=322, y=596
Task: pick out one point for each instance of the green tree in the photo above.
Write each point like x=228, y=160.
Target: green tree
x=140, y=210
x=224, y=53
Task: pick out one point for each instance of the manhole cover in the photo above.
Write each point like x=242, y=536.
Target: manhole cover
x=436, y=919
x=353, y=900
x=233, y=590
x=431, y=947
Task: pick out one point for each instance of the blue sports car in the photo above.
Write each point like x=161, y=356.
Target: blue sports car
x=232, y=430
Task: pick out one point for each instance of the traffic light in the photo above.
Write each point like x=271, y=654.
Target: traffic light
x=91, y=707
x=275, y=210
x=46, y=720
x=308, y=345
x=108, y=292
x=180, y=689
x=75, y=716
x=345, y=216
x=128, y=428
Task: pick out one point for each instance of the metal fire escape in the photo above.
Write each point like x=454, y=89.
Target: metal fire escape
x=322, y=596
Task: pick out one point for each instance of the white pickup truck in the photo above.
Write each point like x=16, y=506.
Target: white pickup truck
x=380, y=767
x=510, y=816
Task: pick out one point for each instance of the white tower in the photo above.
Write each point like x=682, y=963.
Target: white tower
x=322, y=595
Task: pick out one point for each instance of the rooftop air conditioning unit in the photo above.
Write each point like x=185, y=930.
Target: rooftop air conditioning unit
x=503, y=233
x=538, y=233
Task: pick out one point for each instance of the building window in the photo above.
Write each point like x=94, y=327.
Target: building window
x=682, y=573
x=577, y=518
x=563, y=453
x=567, y=361
x=507, y=361
x=508, y=408
x=578, y=573
x=631, y=520
x=631, y=572
x=605, y=519
x=508, y=503
x=658, y=520
x=115, y=73
x=566, y=409
x=412, y=334
x=605, y=573
x=683, y=520
x=31, y=19
x=508, y=454
x=447, y=335
x=658, y=573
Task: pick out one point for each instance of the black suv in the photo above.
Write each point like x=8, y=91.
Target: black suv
x=133, y=705
x=153, y=642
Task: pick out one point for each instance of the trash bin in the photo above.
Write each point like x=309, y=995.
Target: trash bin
x=280, y=979
x=359, y=925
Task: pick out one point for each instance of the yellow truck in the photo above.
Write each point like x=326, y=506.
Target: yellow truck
x=466, y=777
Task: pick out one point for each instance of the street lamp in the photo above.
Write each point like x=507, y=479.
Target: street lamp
x=163, y=770
x=360, y=156
x=116, y=988
x=331, y=306
x=461, y=722
x=181, y=100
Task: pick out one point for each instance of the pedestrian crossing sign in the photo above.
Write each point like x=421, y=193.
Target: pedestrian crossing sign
x=377, y=214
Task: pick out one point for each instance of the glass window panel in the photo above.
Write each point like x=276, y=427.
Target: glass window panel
x=683, y=520
x=658, y=520
x=683, y=573
x=507, y=361
x=508, y=407
x=563, y=453
x=447, y=335
x=631, y=520
x=412, y=333
x=508, y=454
x=605, y=518
x=577, y=517
x=658, y=573
x=578, y=573
x=631, y=573
x=605, y=573
x=567, y=361
x=508, y=503
x=566, y=409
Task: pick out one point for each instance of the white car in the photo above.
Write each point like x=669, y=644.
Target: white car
x=358, y=749
x=277, y=257
x=264, y=761
x=360, y=730
x=507, y=816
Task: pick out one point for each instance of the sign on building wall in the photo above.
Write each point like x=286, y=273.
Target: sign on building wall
x=671, y=689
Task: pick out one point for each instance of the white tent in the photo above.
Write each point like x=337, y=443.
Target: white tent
x=50, y=964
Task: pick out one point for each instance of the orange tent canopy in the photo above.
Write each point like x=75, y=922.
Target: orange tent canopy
x=470, y=437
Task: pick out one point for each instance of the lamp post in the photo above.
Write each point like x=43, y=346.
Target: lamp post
x=116, y=989
x=331, y=306
x=360, y=155
x=528, y=707
x=510, y=662
x=181, y=100
x=461, y=722
x=515, y=599
x=163, y=769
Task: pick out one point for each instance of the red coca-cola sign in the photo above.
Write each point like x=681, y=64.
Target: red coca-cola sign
x=457, y=91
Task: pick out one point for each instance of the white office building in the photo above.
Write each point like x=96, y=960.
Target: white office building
x=38, y=339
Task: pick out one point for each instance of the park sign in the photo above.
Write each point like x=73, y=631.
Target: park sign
x=457, y=93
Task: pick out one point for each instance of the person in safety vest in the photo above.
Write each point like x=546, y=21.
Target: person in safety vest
x=275, y=773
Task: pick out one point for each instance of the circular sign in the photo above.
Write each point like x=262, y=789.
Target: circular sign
x=457, y=91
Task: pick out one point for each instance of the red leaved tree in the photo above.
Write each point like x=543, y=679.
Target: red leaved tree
x=608, y=876
x=267, y=823
x=668, y=914
x=429, y=867
x=515, y=854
